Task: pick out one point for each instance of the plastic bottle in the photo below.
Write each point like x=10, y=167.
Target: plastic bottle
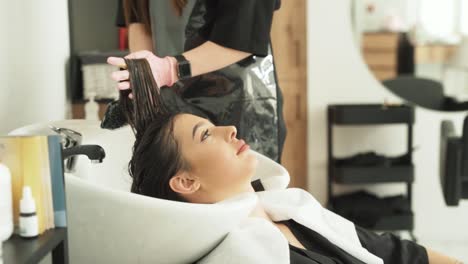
x=92, y=108
x=6, y=203
x=29, y=226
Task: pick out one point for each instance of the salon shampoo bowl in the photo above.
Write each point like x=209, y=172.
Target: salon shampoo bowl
x=109, y=224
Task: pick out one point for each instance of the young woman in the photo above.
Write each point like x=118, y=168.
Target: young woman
x=187, y=158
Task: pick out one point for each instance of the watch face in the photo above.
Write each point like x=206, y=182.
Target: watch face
x=185, y=70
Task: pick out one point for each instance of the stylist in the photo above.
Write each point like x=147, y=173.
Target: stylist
x=215, y=59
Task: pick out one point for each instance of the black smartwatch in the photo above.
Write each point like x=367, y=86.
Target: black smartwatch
x=184, y=70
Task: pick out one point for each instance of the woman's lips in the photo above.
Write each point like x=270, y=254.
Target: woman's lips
x=243, y=147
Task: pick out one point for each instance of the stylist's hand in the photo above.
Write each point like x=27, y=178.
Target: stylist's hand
x=163, y=69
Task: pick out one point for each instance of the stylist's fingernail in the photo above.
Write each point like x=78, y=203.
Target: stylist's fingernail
x=115, y=76
x=123, y=85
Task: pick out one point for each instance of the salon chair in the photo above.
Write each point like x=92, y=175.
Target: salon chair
x=454, y=162
x=109, y=224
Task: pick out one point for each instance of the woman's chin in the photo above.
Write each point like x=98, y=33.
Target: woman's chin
x=251, y=158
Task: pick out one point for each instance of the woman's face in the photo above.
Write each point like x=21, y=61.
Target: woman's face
x=221, y=165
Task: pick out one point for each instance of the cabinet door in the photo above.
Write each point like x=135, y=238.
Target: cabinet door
x=288, y=38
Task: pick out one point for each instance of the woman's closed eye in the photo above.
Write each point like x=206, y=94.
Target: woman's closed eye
x=205, y=135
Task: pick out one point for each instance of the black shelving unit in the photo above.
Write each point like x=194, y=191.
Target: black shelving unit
x=373, y=114
x=17, y=250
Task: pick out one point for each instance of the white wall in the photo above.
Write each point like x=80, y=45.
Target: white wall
x=3, y=60
x=32, y=80
x=336, y=74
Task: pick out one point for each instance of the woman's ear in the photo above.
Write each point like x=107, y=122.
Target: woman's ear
x=183, y=183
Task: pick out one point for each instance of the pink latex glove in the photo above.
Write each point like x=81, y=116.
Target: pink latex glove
x=162, y=68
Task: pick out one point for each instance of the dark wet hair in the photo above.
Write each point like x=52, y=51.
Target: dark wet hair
x=156, y=154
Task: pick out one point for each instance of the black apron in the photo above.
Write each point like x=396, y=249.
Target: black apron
x=387, y=246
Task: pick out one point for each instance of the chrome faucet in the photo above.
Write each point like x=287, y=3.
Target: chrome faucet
x=69, y=139
x=71, y=144
x=94, y=152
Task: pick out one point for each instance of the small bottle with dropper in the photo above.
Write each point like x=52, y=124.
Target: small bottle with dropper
x=29, y=226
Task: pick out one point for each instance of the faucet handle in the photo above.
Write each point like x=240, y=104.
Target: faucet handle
x=65, y=131
x=63, y=138
x=70, y=137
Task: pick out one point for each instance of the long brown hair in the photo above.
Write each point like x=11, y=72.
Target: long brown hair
x=156, y=154
x=139, y=10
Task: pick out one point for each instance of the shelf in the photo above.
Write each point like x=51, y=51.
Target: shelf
x=355, y=210
x=379, y=174
x=380, y=214
x=18, y=250
x=395, y=222
x=390, y=223
x=368, y=114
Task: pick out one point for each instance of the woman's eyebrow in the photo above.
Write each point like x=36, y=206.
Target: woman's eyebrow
x=194, y=131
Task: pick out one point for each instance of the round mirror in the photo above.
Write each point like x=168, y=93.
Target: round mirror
x=418, y=49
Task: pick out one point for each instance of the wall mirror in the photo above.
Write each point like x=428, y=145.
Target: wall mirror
x=418, y=49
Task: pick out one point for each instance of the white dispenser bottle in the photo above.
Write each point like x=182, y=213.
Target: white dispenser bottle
x=92, y=108
x=29, y=226
x=6, y=204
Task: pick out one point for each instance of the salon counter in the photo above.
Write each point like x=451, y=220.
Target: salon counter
x=17, y=250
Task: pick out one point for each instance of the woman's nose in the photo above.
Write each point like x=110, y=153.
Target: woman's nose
x=231, y=133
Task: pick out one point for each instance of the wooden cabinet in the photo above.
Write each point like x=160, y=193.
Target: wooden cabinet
x=435, y=54
x=288, y=36
x=79, y=112
x=380, y=52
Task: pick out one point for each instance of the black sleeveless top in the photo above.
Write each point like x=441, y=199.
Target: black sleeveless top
x=388, y=247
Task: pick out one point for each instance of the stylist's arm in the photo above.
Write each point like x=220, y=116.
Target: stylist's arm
x=205, y=58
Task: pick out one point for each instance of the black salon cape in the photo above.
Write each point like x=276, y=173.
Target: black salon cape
x=387, y=246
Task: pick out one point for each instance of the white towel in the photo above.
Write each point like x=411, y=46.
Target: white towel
x=257, y=240
x=303, y=208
